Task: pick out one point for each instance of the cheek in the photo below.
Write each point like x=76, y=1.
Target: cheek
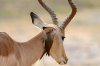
x=57, y=45
x=56, y=49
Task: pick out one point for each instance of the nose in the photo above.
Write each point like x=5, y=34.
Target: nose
x=66, y=61
x=63, y=62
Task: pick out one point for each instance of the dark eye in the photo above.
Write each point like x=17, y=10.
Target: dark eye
x=63, y=37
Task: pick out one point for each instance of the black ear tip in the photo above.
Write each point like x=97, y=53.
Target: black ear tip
x=33, y=15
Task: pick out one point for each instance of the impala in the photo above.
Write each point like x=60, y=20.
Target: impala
x=49, y=41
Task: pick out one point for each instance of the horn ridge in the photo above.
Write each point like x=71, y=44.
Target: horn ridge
x=74, y=10
x=50, y=11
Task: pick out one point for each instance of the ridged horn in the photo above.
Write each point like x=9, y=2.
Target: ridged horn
x=50, y=11
x=74, y=10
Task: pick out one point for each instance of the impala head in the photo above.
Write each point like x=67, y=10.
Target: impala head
x=54, y=33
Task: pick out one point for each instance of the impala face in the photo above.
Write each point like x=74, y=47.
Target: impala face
x=54, y=33
x=57, y=49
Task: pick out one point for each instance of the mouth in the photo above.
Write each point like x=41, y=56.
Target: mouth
x=63, y=62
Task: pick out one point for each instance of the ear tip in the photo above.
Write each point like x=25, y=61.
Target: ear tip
x=33, y=15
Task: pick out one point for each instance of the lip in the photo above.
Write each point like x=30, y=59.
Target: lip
x=63, y=62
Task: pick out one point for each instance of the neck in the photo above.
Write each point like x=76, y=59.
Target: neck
x=33, y=49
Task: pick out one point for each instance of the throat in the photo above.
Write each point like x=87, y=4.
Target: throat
x=32, y=50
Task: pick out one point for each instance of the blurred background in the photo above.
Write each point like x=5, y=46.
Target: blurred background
x=82, y=43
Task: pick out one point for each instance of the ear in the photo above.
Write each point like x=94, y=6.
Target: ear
x=36, y=20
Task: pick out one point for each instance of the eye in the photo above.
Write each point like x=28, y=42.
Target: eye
x=63, y=37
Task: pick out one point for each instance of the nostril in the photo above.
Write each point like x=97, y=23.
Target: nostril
x=66, y=60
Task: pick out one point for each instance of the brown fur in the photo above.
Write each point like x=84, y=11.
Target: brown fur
x=14, y=53
x=6, y=47
x=54, y=42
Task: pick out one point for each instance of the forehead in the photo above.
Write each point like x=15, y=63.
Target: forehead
x=57, y=29
x=52, y=25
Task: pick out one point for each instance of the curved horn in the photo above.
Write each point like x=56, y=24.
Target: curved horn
x=52, y=14
x=74, y=10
